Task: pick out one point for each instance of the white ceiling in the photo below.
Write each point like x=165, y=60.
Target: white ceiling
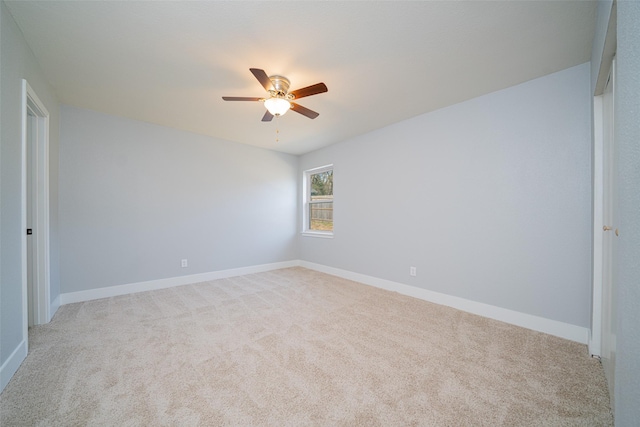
x=171, y=62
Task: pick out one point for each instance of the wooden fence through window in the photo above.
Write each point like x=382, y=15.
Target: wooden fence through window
x=321, y=211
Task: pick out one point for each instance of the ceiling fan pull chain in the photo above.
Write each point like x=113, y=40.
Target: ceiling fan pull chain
x=277, y=129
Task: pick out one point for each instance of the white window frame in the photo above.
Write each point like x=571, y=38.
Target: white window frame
x=306, y=196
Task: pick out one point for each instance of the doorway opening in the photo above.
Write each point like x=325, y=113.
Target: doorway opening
x=604, y=307
x=36, y=295
x=609, y=232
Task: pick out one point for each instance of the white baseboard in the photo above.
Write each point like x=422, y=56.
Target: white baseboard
x=55, y=305
x=594, y=346
x=112, y=291
x=536, y=323
x=11, y=365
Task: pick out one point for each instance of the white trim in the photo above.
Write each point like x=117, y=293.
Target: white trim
x=11, y=365
x=595, y=336
x=23, y=219
x=31, y=102
x=540, y=324
x=319, y=169
x=112, y=291
x=320, y=234
x=55, y=305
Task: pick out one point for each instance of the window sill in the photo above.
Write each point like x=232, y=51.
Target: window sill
x=319, y=234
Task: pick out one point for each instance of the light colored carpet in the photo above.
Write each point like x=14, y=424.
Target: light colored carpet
x=295, y=347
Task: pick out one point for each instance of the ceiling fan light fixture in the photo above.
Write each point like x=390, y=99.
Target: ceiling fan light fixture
x=277, y=106
x=279, y=98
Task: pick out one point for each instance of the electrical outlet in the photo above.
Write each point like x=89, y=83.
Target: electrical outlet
x=412, y=271
x=184, y=263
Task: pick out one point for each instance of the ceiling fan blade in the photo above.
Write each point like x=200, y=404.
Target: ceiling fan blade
x=309, y=90
x=240, y=98
x=304, y=111
x=262, y=77
x=267, y=116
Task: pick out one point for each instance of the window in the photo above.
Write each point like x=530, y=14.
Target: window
x=318, y=202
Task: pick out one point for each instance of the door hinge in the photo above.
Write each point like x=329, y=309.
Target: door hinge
x=29, y=231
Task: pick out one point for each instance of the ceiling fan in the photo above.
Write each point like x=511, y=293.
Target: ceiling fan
x=280, y=99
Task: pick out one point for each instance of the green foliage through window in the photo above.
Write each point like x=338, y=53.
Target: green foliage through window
x=322, y=184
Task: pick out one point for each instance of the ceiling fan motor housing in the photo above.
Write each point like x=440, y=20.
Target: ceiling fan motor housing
x=280, y=86
x=280, y=83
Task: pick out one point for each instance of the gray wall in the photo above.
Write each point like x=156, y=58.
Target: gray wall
x=490, y=199
x=17, y=62
x=627, y=129
x=136, y=198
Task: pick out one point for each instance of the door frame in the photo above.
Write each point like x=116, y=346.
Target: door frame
x=602, y=211
x=595, y=341
x=609, y=281
x=40, y=161
x=604, y=72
